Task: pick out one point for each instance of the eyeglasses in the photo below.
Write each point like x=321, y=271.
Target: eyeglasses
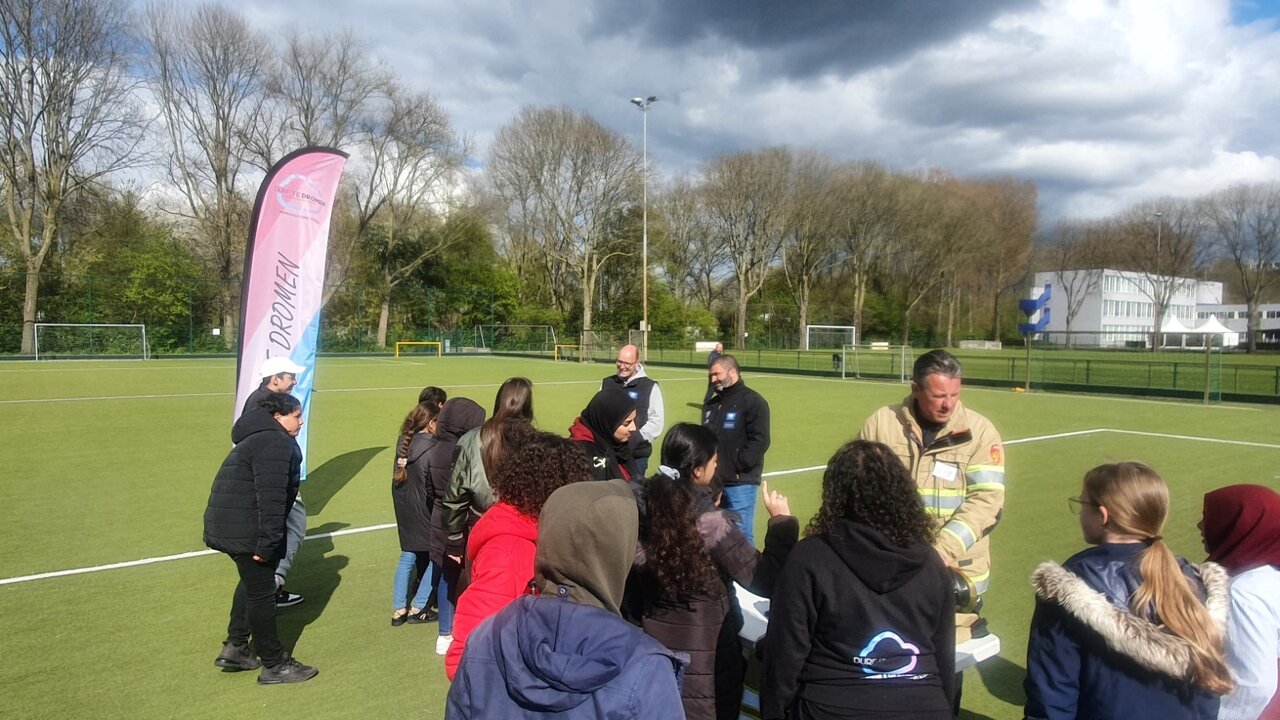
x=1076, y=504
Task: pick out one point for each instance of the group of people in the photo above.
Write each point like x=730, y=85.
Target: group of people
x=569, y=581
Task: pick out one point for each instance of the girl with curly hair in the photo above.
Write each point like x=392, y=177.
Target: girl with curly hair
x=691, y=552
x=861, y=623
x=501, y=546
x=1126, y=628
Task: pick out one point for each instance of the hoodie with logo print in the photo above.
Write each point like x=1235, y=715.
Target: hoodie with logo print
x=860, y=627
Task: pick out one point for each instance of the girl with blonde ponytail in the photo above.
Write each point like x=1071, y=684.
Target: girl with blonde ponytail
x=409, y=496
x=1126, y=628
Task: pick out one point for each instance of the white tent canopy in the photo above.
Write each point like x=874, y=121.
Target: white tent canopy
x=1213, y=326
x=1172, y=325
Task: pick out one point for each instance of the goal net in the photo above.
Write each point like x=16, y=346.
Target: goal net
x=876, y=360
x=829, y=337
x=90, y=340
x=602, y=345
x=516, y=338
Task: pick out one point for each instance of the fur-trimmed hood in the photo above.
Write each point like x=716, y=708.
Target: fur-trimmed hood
x=1137, y=638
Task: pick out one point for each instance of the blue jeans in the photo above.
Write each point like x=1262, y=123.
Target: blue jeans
x=441, y=578
x=410, y=561
x=295, y=529
x=742, y=500
x=642, y=467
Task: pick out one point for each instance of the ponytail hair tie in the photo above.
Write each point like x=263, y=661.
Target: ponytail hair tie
x=669, y=472
x=1153, y=539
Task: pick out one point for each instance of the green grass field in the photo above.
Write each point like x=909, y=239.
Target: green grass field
x=108, y=462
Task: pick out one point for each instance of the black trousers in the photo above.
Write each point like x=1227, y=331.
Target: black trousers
x=253, y=610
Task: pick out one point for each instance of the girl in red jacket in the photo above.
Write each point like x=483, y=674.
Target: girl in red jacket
x=502, y=543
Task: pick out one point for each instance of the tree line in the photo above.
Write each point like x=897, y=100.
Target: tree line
x=134, y=140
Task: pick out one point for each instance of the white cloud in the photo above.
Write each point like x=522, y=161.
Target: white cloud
x=1103, y=103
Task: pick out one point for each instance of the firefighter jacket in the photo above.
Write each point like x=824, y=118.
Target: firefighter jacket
x=960, y=476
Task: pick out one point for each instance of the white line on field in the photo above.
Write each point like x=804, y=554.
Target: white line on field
x=776, y=473
x=166, y=558
x=1219, y=441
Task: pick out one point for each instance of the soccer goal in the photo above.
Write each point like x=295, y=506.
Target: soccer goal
x=829, y=337
x=428, y=344
x=567, y=353
x=91, y=340
x=516, y=338
x=876, y=360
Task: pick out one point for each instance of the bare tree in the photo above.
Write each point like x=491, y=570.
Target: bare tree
x=409, y=187
x=207, y=69
x=1073, y=253
x=868, y=218
x=809, y=250
x=1163, y=241
x=746, y=199
x=322, y=91
x=915, y=258
x=693, y=262
x=1008, y=209
x=69, y=116
x=566, y=182
x=1245, y=223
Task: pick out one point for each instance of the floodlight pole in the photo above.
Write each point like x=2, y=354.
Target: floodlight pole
x=643, y=104
x=1159, y=216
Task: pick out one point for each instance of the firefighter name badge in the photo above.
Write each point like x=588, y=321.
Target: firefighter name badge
x=946, y=472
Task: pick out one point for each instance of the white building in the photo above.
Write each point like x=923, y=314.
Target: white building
x=1236, y=317
x=1114, y=307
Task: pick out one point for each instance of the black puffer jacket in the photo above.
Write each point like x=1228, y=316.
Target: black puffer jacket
x=412, y=498
x=254, y=489
x=458, y=416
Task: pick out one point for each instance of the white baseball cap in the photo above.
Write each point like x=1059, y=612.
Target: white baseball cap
x=278, y=364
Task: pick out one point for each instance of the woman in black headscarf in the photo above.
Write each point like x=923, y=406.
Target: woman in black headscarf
x=602, y=431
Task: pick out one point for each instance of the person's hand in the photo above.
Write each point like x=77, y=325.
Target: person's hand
x=456, y=558
x=775, y=502
x=259, y=559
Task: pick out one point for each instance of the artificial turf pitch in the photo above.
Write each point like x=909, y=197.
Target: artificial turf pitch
x=107, y=462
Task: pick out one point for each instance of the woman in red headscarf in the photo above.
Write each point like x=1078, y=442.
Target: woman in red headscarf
x=1241, y=530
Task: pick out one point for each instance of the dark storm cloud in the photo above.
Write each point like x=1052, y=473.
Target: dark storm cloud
x=803, y=39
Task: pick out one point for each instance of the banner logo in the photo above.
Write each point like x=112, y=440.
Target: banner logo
x=298, y=196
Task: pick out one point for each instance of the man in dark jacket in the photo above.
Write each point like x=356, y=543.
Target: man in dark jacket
x=739, y=417
x=245, y=518
x=568, y=653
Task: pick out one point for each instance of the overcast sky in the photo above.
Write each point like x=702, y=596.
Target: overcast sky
x=1101, y=103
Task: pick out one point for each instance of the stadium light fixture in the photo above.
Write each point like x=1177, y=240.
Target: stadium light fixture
x=643, y=104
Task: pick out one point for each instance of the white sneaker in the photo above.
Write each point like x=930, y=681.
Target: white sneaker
x=442, y=644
